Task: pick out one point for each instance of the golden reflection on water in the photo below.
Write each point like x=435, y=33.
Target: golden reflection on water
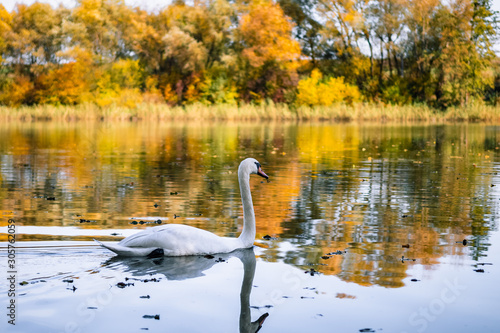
x=366, y=189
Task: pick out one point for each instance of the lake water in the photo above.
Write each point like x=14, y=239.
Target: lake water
x=362, y=227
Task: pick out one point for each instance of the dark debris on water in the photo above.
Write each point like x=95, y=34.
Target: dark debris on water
x=23, y=283
x=312, y=272
x=123, y=285
x=267, y=237
x=267, y=306
x=143, y=280
x=147, y=222
x=403, y=259
x=155, y=317
x=86, y=221
x=335, y=253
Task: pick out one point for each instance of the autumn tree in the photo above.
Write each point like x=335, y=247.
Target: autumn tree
x=268, y=52
x=421, y=47
x=483, y=25
x=388, y=16
x=307, y=28
x=5, y=28
x=35, y=36
x=30, y=41
x=450, y=51
x=101, y=26
x=221, y=51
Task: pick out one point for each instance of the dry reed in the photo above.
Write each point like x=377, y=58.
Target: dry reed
x=266, y=111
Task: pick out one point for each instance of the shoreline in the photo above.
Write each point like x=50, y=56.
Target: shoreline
x=249, y=112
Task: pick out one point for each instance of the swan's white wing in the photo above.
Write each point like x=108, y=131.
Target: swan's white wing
x=127, y=251
x=144, y=238
x=178, y=240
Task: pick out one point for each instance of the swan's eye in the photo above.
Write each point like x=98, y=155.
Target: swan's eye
x=258, y=166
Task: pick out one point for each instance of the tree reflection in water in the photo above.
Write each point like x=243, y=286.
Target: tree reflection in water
x=367, y=189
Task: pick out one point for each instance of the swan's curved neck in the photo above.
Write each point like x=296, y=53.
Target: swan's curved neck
x=248, y=234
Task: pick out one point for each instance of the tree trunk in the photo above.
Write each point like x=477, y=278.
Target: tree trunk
x=367, y=36
x=381, y=60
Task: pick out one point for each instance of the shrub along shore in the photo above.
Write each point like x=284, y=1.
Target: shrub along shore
x=252, y=112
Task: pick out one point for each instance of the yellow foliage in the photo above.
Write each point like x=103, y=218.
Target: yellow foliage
x=170, y=95
x=193, y=94
x=129, y=98
x=152, y=94
x=152, y=84
x=218, y=90
x=5, y=22
x=119, y=84
x=316, y=91
x=127, y=73
x=308, y=89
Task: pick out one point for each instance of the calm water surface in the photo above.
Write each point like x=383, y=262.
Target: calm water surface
x=361, y=228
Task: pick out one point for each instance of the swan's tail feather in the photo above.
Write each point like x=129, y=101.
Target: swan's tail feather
x=127, y=251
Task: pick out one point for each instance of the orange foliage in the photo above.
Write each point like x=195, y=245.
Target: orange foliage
x=64, y=85
x=5, y=22
x=170, y=95
x=266, y=35
x=17, y=91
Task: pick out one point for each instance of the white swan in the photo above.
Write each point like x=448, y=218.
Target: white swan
x=183, y=240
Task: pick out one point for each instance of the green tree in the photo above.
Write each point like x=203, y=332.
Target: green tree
x=421, y=49
x=465, y=52
x=345, y=24
x=388, y=16
x=483, y=26
x=307, y=28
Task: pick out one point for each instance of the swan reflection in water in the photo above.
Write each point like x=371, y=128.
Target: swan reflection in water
x=187, y=267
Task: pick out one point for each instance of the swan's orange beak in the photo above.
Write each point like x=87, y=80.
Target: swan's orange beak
x=262, y=173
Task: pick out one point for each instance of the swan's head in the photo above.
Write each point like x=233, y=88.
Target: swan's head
x=252, y=166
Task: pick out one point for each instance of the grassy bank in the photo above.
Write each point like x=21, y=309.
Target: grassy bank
x=159, y=112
